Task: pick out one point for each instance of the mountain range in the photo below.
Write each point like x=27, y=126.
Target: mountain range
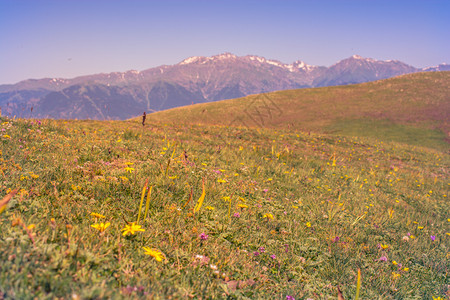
x=122, y=95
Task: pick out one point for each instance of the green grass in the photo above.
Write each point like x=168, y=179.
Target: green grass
x=391, y=132
x=414, y=101
x=335, y=202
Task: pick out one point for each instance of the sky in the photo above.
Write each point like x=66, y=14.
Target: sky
x=69, y=38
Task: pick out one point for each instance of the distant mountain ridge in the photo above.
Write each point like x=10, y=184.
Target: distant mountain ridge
x=198, y=79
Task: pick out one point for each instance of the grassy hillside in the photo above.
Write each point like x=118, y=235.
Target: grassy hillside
x=410, y=109
x=235, y=213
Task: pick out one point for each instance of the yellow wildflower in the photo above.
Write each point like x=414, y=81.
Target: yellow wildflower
x=243, y=205
x=308, y=224
x=268, y=216
x=155, y=253
x=97, y=215
x=395, y=275
x=384, y=246
x=101, y=226
x=209, y=208
x=132, y=229
x=129, y=170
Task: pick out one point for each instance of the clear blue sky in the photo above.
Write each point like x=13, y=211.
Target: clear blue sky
x=68, y=38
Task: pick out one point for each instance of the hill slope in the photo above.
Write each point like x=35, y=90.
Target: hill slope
x=417, y=105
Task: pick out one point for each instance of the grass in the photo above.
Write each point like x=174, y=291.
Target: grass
x=284, y=213
x=409, y=102
x=389, y=131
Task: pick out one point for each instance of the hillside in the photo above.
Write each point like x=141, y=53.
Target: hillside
x=117, y=210
x=412, y=108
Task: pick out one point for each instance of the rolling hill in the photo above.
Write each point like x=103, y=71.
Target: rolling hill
x=412, y=108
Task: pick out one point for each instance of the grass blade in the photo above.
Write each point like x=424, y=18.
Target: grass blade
x=358, y=284
x=147, y=202
x=142, y=200
x=200, y=200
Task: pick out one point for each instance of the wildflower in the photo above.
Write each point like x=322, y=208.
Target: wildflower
x=336, y=239
x=256, y=253
x=406, y=269
x=394, y=263
x=123, y=178
x=308, y=224
x=129, y=170
x=268, y=216
x=262, y=249
x=384, y=246
x=200, y=260
x=101, y=226
x=209, y=208
x=395, y=275
x=236, y=215
x=131, y=229
x=214, y=267
x=420, y=227
x=204, y=236
x=242, y=205
x=383, y=258
x=265, y=190
x=221, y=180
x=273, y=256
x=433, y=237
x=97, y=215
x=155, y=253
x=405, y=238
x=289, y=297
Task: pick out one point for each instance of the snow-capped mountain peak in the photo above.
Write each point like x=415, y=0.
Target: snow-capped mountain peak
x=190, y=60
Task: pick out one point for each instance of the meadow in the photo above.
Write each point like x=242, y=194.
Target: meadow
x=118, y=210
x=411, y=109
